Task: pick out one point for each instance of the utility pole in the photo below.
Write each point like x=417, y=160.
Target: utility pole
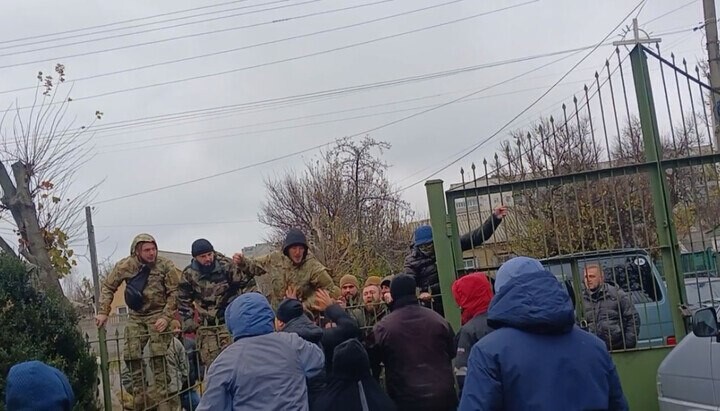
x=102, y=338
x=713, y=51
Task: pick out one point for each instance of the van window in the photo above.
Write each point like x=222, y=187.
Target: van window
x=630, y=272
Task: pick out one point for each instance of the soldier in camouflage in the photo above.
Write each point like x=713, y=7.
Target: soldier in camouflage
x=349, y=289
x=151, y=295
x=211, y=281
x=293, y=268
x=370, y=313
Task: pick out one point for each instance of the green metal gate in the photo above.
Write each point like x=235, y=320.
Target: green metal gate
x=613, y=178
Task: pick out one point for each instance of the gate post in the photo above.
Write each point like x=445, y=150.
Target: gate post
x=667, y=237
x=442, y=240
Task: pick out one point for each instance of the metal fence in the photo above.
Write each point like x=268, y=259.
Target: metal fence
x=613, y=184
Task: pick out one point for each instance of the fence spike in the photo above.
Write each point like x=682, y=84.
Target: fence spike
x=462, y=171
x=472, y=166
x=484, y=163
x=585, y=87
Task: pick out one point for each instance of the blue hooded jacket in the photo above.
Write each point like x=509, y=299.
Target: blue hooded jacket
x=537, y=359
x=262, y=369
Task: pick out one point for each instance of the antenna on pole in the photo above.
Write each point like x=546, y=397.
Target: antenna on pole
x=636, y=37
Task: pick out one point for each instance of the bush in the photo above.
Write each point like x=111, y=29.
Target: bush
x=34, y=326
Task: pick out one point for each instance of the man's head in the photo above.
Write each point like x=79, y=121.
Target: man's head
x=516, y=267
x=288, y=310
x=403, y=285
x=176, y=328
x=203, y=252
x=33, y=385
x=373, y=280
x=249, y=315
x=144, y=248
x=349, y=286
x=385, y=285
x=423, y=239
x=371, y=295
x=594, y=276
x=295, y=246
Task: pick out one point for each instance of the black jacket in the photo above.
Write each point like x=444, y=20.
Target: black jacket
x=422, y=266
x=469, y=334
x=346, y=328
x=417, y=346
x=611, y=315
x=352, y=385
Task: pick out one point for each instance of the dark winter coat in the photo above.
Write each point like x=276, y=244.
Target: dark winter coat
x=352, y=385
x=611, y=315
x=309, y=331
x=346, y=328
x=417, y=346
x=422, y=266
x=537, y=358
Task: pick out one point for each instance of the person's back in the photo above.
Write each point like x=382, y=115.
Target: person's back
x=416, y=346
x=537, y=358
x=352, y=387
x=261, y=370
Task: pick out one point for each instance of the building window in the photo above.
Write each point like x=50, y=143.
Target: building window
x=469, y=263
x=122, y=310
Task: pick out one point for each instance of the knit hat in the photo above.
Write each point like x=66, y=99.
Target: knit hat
x=402, y=286
x=515, y=267
x=33, y=385
x=289, y=309
x=423, y=235
x=349, y=279
x=373, y=280
x=201, y=246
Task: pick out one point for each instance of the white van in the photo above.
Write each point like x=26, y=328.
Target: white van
x=689, y=377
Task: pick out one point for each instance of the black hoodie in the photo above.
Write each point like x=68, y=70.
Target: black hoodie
x=352, y=387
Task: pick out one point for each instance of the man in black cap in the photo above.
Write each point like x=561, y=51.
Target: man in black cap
x=416, y=344
x=212, y=281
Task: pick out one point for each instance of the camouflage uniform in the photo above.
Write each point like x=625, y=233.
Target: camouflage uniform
x=159, y=301
x=307, y=277
x=212, y=292
x=367, y=317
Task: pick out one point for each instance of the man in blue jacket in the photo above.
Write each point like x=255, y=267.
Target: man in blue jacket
x=537, y=358
x=262, y=369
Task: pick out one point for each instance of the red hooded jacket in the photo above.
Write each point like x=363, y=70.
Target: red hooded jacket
x=472, y=293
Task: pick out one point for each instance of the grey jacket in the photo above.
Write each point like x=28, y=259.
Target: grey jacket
x=469, y=334
x=611, y=315
x=264, y=372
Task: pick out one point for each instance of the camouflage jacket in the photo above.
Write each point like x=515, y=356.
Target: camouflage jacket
x=368, y=317
x=160, y=293
x=212, y=292
x=307, y=277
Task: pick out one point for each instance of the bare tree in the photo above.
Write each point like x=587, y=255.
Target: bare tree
x=41, y=153
x=356, y=221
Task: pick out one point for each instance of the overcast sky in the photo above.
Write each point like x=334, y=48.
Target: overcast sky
x=225, y=209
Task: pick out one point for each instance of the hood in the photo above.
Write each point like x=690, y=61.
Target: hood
x=472, y=293
x=350, y=361
x=249, y=315
x=516, y=267
x=387, y=280
x=37, y=386
x=306, y=329
x=535, y=303
x=294, y=237
x=141, y=238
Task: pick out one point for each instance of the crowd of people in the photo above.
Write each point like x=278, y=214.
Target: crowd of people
x=373, y=345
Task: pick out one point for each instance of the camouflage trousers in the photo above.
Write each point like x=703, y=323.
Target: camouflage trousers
x=211, y=341
x=140, y=331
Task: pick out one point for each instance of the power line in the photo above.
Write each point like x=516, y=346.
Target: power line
x=226, y=16
x=322, y=52
x=75, y=43
x=671, y=12
x=217, y=31
x=473, y=148
x=38, y=36
x=177, y=224
x=226, y=51
x=318, y=146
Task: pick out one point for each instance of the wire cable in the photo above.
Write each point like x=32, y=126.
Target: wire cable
x=473, y=148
